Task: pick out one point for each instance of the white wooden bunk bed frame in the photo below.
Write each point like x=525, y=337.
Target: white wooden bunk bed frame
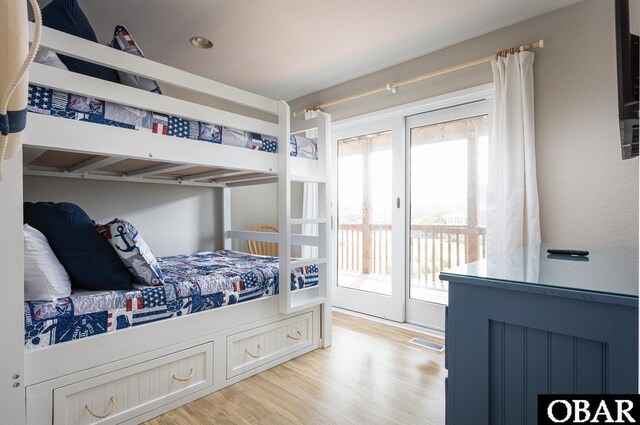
x=132, y=375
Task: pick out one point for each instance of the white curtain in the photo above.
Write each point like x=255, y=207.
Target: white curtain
x=310, y=200
x=513, y=217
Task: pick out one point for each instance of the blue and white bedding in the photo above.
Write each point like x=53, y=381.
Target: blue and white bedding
x=75, y=107
x=193, y=283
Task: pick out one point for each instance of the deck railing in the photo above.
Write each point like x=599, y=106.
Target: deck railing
x=432, y=248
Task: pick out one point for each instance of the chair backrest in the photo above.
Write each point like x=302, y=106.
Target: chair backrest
x=263, y=248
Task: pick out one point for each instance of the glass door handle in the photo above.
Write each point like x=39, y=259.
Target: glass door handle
x=398, y=202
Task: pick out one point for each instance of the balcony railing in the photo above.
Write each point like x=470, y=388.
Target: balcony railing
x=432, y=249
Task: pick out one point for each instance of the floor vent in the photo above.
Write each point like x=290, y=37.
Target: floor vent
x=427, y=344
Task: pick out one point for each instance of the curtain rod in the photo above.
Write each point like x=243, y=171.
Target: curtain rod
x=393, y=87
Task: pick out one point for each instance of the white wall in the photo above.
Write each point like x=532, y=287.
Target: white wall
x=588, y=195
x=172, y=219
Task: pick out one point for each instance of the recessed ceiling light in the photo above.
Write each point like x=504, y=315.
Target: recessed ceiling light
x=201, y=42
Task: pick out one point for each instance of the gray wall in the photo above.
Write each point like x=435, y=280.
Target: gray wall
x=171, y=219
x=257, y=205
x=588, y=195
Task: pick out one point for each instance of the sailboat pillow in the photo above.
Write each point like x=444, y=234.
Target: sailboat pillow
x=133, y=251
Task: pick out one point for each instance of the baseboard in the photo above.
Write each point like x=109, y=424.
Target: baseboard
x=406, y=326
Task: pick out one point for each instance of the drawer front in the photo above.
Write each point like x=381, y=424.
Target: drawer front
x=255, y=347
x=125, y=393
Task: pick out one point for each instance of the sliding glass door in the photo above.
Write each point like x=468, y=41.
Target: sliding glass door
x=411, y=201
x=447, y=181
x=370, y=236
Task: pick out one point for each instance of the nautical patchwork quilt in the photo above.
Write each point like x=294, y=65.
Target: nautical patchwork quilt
x=193, y=283
x=75, y=107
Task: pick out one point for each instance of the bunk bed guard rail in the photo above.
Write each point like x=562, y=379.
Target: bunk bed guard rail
x=281, y=168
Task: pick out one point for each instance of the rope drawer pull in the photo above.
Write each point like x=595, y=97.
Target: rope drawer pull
x=186, y=378
x=298, y=338
x=95, y=415
x=255, y=356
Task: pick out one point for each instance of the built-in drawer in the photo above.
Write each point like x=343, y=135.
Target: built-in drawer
x=128, y=392
x=255, y=347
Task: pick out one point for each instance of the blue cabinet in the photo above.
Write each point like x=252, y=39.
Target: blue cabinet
x=523, y=324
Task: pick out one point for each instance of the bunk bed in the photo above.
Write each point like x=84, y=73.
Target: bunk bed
x=142, y=371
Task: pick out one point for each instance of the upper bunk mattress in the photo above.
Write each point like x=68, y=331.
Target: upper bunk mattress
x=75, y=107
x=193, y=283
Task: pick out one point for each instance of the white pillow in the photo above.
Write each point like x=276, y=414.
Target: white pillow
x=48, y=57
x=45, y=279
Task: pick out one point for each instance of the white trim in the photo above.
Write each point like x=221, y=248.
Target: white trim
x=158, y=169
x=406, y=326
x=307, y=262
x=249, y=235
x=297, y=221
x=50, y=132
x=114, y=178
x=93, y=164
x=284, y=210
x=12, y=367
x=226, y=217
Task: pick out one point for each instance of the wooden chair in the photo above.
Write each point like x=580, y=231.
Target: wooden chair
x=263, y=248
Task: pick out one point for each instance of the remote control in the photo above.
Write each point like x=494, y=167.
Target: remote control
x=577, y=252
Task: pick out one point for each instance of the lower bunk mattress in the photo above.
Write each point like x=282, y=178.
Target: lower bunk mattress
x=193, y=283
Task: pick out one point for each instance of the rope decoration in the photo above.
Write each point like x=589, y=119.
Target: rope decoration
x=4, y=100
x=186, y=378
x=105, y=415
x=255, y=356
x=298, y=336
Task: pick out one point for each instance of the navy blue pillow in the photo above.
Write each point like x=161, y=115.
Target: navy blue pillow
x=66, y=16
x=88, y=257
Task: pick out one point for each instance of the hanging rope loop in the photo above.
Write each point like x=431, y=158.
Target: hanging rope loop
x=5, y=121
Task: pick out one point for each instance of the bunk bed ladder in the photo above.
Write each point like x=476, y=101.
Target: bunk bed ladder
x=300, y=299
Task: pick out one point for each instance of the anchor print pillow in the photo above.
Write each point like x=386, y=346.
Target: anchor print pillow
x=133, y=251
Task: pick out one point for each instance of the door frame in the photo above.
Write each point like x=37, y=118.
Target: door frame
x=389, y=307
x=426, y=313
x=394, y=119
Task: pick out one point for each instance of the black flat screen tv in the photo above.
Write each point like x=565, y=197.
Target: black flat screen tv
x=627, y=49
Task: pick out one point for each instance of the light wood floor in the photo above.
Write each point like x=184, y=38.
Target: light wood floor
x=371, y=375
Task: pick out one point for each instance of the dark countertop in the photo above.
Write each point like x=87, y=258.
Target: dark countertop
x=608, y=274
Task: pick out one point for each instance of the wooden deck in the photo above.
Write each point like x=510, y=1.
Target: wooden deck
x=365, y=250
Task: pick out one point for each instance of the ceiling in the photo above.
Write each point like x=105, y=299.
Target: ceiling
x=285, y=49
